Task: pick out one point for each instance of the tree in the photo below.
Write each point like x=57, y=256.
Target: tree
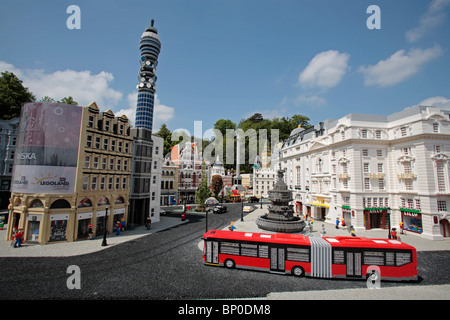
x=203, y=192
x=65, y=100
x=68, y=100
x=217, y=184
x=166, y=134
x=13, y=95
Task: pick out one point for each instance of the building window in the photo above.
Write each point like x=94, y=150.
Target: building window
x=117, y=183
x=111, y=164
x=436, y=127
x=89, y=141
x=345, y=183
x=107, y=125
x=437, y=149
x=364, y=133
x=102, y=183
x=94, y=183
x=417, y=204
x=119, y=164
x=125, y=165
x=365, y=153
x=366, y=167
x=87, y=162
x=403, y=131
x=407, y=167
x=380, y=167
x=440, y=176
x=124, y=183
x=119, y=147
x=381, y=184
x=378, y=134
x=96, y=162
x=91, y=122
x=105, y=144
x=126, y=147
x=104, y=163
x=97, y=142
x=366, y=183
x=379, y=153
x=121, y=129
x=110, y=183
x=113, y=145
x=442, y=205
x=85, y=182
x=408, y=184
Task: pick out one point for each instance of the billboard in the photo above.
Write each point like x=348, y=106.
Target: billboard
x=47, y=148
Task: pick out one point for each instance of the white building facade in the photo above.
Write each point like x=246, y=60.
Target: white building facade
x=374, y=171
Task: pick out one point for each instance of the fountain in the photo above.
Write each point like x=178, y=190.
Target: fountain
x=280, y=217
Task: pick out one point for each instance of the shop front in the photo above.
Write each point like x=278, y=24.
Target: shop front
x=376, y=218
x=84, y=221
x=58, y=227
x=33, y=228
x=320, y=210
x=347, y=215
x=412, y=220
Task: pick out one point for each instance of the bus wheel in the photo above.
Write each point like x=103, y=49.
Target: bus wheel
x=298, y=271
x=229, y=264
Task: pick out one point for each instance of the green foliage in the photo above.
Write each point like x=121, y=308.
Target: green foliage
x=203, y=192
x=13, y=95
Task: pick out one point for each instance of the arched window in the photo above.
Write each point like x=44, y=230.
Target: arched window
x=60, y=204
x=85, y=203
x=36, y=203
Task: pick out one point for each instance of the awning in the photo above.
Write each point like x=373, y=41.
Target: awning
x=318, y=204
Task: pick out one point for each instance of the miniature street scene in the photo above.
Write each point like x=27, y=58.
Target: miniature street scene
x=213, y=150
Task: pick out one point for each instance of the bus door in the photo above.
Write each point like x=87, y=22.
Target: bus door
x=212, y=252
x=277, y=259
x=354, y=262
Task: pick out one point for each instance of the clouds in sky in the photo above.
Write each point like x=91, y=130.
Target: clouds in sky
x=398, y=67
x=84, y=87
x=325, y=70
x=434, y=16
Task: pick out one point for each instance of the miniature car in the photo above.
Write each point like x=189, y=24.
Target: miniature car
x=248, y=209
x=219, y=209
x=254, y=199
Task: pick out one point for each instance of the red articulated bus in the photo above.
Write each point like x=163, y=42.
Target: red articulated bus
x=327, y=257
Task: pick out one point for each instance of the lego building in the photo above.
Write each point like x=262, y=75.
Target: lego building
x=71, y=172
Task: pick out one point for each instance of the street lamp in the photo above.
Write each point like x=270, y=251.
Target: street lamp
x=388, y=210
x=104, y=229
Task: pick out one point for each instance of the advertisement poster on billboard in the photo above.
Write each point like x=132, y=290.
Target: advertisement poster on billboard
x=47, y=148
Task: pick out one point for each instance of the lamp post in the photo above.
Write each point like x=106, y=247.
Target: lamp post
x=104, y=229
x=388, y=210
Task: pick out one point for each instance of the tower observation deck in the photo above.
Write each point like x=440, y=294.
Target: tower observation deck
x=150, y=46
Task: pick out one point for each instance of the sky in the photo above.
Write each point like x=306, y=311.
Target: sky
x=228, y=59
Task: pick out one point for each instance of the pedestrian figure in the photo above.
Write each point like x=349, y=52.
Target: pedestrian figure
x=118, y=226
x=90, y=232
x=337, y=222
x=148, y=223
x=18, y=237
x=401, y=227
x=231, y=227
x=322, y=232
x=394, y=233
x=352, y=231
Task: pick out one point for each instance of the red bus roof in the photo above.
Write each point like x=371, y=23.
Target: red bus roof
x=298, y=239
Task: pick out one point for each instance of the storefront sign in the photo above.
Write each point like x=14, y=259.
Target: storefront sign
x=86, y=215
x=119, y=211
